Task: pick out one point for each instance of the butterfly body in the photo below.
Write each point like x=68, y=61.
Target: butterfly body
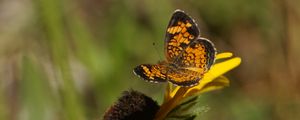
x=188, y=56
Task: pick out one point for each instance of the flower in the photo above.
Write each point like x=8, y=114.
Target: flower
x=133, y=105
x=212, y=80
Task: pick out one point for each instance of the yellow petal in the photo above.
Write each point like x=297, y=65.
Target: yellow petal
x=224, y=55
x=168, y=91
x=174, y=91
x=223, y=67
x=216, y=84
x=216, y=71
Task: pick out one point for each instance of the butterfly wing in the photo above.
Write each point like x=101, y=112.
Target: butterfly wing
x=181, y=31
x=152, y=73
x=184, y=77
x=191, y=65
x=198, y=56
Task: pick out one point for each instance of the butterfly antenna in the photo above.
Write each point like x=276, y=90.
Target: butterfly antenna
x=155, y=47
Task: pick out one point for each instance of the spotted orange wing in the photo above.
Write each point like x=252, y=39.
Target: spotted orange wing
x=163, y=72
x=183, y=77
x=152, y=73
x=181, y=31
x=190, y=55
x=200, y=54
x=192, y=63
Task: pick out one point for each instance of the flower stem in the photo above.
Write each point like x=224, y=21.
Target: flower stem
x=167, y=106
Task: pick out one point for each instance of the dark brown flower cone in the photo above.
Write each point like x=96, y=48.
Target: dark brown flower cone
x=133, y=105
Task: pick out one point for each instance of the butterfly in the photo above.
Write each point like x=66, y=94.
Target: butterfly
x=188, y=56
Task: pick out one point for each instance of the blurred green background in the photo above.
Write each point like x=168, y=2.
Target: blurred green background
x=71, y=59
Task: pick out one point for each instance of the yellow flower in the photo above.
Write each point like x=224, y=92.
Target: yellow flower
x=212, y=80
